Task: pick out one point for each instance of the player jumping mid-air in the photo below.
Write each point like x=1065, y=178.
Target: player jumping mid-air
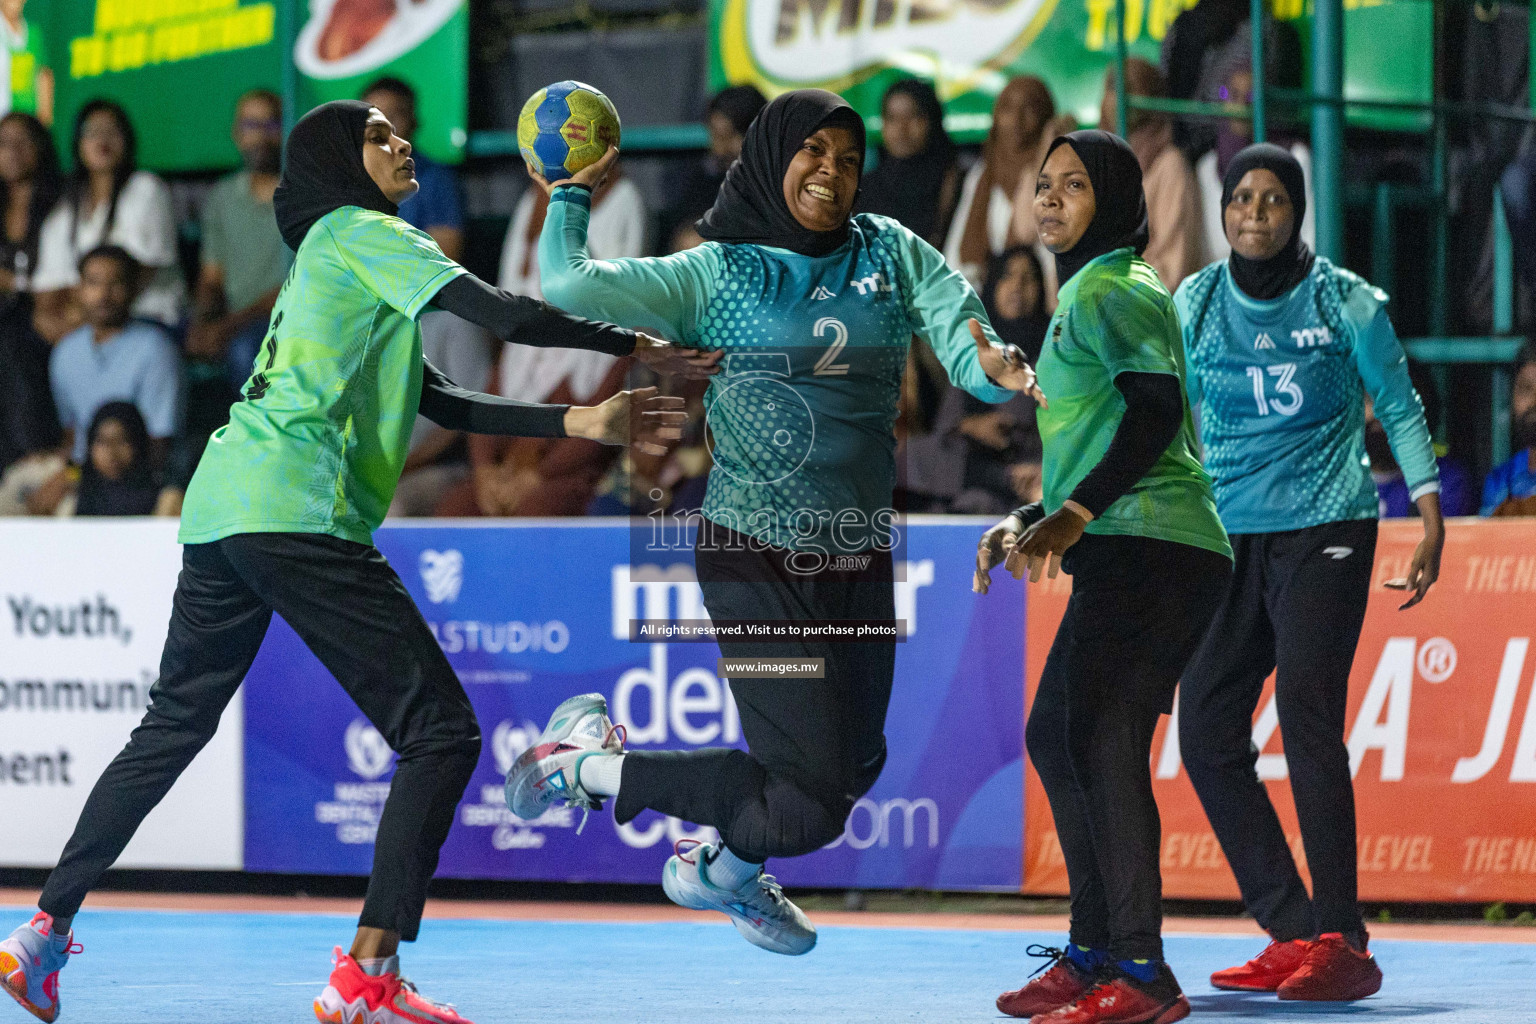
x=814, y=309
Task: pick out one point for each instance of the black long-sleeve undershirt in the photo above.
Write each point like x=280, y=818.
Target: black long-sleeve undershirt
x=450, y=406
x=1154, y=412
x=529, y=321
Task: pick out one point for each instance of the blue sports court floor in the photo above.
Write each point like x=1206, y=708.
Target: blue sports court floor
x=160, y=967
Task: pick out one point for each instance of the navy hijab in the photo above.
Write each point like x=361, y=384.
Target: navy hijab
x=750, y=208
x=1120, y=206
x=1271, y=278
x=323, y=170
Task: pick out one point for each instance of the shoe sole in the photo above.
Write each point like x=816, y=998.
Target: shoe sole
x=520, y=801
x=678, y=895
x=1176, y=1010
x=11, y=968
x=1227, y=986
x=1363, y=991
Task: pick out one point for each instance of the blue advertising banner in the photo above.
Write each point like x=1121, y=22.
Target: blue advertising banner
x=531, y=614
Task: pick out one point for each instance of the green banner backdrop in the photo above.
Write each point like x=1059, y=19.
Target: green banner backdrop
x=178, y=66
x=970, y=48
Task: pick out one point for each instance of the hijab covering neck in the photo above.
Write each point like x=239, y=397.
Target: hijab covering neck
x=135, y=492
x=750, y=209
x=910, y=189
x=323, y=170
x=1271, y=278
x=1120, y=214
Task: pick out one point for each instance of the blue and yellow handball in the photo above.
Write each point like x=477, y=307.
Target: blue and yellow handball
x=565, y=127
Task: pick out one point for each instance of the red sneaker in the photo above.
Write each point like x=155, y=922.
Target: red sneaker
x=353, y=997
x=1061, y=983
x=1123, y=1001
x=1265, y=972
x=1333, y=972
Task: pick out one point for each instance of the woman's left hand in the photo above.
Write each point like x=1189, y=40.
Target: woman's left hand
x=1043, y=544
x=591, y=176
x=667, y=359
x=1005, y=366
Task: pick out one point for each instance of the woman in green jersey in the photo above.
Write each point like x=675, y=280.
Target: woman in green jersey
x=1128, y=513
x=279, y=518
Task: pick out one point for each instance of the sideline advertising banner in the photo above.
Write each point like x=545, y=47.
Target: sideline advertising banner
x=970, y=48
x=179, y=66
x=86, y=606
x=1441, y=734
x=531, y=614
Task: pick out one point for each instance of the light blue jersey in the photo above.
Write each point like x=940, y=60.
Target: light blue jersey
x=802, y=411
x=1279, y=387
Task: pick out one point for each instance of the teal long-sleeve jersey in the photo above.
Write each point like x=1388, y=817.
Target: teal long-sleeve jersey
x=801, y=413
x=1279, y=386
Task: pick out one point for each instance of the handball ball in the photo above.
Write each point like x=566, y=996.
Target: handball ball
x=565, y=127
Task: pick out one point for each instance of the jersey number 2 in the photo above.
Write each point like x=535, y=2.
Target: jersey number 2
x=1285, y=384
x=825, y=367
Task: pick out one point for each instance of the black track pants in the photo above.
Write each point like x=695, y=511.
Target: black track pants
x=1138, y=610
x=350, y=608
x=817, y=745
x=1297, y=602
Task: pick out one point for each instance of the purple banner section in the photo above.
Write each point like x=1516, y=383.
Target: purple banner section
x=529, y=615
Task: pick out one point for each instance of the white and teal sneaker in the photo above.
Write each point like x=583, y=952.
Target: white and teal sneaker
x=759, y=909
x=30, y=964
x=550, y=770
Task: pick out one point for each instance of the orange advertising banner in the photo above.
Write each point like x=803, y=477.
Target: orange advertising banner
x=1441, y=732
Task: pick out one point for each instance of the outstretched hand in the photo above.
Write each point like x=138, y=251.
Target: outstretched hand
x=591, y=176
x=642, y=419
x=666, y=358
x=994, y=546
x=1006, y=365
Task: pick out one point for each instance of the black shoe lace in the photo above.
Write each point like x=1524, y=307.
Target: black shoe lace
x=1050, y=954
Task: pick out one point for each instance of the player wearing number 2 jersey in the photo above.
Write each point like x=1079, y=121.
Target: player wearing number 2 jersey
x=814, y=311
x=1281, y=346
x=280, y=516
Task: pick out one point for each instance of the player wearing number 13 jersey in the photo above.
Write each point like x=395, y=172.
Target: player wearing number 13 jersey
x=1281, y=346
x=814, y=310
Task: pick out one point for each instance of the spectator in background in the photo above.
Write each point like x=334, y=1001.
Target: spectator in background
x=616, y=231
x=1510, y=489
x=29, y=186
x=1176, y=246
x=1013, y=151
x=1232, y=136
x=244, y=260
x=528, y=476
x=108, y=201
x=729, y=114
x=27, y=74
x=1208, y=42
x=112, y=356
x=119, y=477
x=1458, y=491
x=437, y=456
x=917, y=178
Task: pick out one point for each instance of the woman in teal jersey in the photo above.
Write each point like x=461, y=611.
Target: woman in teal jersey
x=814, y=310
x=1128, y=512
x=279, y=517
x=1282, y=346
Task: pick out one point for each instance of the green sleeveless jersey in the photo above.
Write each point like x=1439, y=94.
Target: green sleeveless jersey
x=319, y=439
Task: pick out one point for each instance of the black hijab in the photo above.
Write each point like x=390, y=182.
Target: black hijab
x=1028, y=331
x=1120, y=214
x=750, y=208
x=1271, y=278
x=323, y=170
x=135, y=492
x=909, y=189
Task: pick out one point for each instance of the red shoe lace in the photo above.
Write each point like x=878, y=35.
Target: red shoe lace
x=691, y=844
x=618, y=730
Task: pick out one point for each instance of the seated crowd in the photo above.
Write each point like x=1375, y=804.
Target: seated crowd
x=115, y=374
